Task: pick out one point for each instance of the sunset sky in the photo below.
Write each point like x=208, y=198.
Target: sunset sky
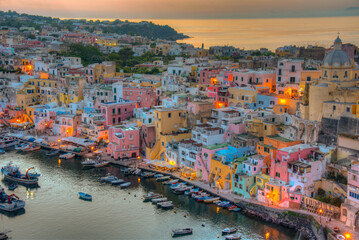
x=156, y=9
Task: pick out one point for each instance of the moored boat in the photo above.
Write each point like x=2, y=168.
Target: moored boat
x=125, y=185
x=162, y=179
x=181, y=232
x=3, y=235
x=13, y=174
x=211, y=200
x=171, y=182
x=52, y=153
x=117, y=182
x=108, y=179
x=67, y=156
x=229, y=230
x=2, y=151
x=148, y=174
x=10, y=203
x=85, y=196
x=32, y=148
x=233, y=237
x=88, y=163
x=157, y=200
x=158, y=175
x=151, y=196
x=101, y=163
x=160, y=204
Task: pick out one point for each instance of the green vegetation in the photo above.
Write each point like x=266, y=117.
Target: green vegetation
x=145, y=29
x=323, y=197
x=337, y=177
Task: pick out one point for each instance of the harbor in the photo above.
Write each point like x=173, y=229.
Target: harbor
x=113, y=212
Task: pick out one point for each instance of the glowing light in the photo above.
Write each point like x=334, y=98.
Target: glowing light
x=282, y=101
x=217, y=209
x=267, y=196
x=92, y=147
x=139, y=180
x=59, y=140
x=138, y=157
x=59, y=162
x=347, y=236
x=267, y=235
x=172, y=162
x=320, y=211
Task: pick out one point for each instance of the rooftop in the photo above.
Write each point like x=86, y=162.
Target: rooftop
x=279, y=138
x=216, y=146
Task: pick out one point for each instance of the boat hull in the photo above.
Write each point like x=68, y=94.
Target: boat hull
x=22, y=181
x=14, y=206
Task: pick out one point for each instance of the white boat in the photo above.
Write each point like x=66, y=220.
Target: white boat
x=32, y=148
x=10, y=203
x=67, y=156
x=157, y=200
x=117, y=182
x=125, y=185
x=171, y=182
x=108, y=178
x=233, y=237
x=88, y=163
x=101, y=163
x=7, y=144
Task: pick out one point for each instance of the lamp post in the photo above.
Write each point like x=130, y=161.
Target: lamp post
x=347, y=236
x=267, y=196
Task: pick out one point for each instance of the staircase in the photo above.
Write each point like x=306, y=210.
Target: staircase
x=203, y=164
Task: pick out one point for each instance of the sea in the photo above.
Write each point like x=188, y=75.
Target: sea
x=54, y=211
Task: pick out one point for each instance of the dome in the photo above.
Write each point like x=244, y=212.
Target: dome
x=338, y=40
x=339, y=58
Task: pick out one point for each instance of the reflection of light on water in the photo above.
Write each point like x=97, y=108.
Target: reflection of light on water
x=139, y=180
x=267, y=235
x=27, y=194
x=59, y=162
x=217, y=209
x=32, y=195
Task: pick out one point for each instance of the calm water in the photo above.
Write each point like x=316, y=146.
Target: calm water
x=53, y=211
x=268, y=33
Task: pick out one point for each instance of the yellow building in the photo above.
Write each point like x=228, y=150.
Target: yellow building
x=261, y=127
x=221, y=174
x=108, y=42
x=103, y=70
x=242, y=97
x=162, y=49
x=170, y=124
x=308, y=76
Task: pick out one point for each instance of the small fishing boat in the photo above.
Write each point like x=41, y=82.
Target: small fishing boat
x=32, y=148
x=10, y=203
x=233, y=208
x=181, y=232
x=229, y=230
x=233, y=237
x=2, y=151
x=171, y=182
x=157, y=200
x=88, y=163
x=101, y=163
x=151, y=196
x=148, y=174
x=12, y=186
x=117, y=182
x=3, y=235
x=125, y=185
x=160, y=204
x=21, y=146
x=67, y=156
x=137, y=172
x=108, y=179
x=162, y=179
x=211, y=200
x=167, y=206
x=128, y=171
x=85, y=196
x=52, y=153
x=13, y=174
x=158, y=175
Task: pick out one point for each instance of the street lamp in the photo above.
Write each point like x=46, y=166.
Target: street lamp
x=320, y=215
x=267, y=196
x=347, y=236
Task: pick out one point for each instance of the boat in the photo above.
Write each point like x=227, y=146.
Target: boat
x=201, y=199
x=108, y=179
x=52, y=153
x=181, y=232
x=162, y=179
x=166, y=205
x=137, y=172
x=233, y=208
x=88, y=163
x=12, y=186
x=8, y=143
x=2, y=151
x=3, y=235
x=32, y=148
x=151, y=196
x=220, y=204
x=233, y=237
x=13, y=174
x=211, y=200
x=128, y=171
x=148, y=174
x=157, y=200
x=229, y=230
x=85, y=196
x=171, y=182
x=117, y=182
x=67, y=156
x=125, y=185
x=22, y=146
x=158, y=175
x=10, y=203
x=101, y=163
x=160, y=204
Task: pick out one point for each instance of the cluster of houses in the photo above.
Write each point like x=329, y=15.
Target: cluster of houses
x=268, y=128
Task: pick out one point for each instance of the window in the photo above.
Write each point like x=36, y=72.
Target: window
x=277, y=174
x=119, y=120
x=293, y=68
x=119, y=110
x=279, y=72
x=169, y=115
x=265, y=127
x=180, y=114
x=125, y=109
x=114, y=90
x=334, y=108
x=292, y=79
x=113, y=111
x=279, y=79
x=309, y=79
x=348, y=109
x=113, y=120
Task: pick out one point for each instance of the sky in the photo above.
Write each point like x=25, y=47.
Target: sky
x=183, y=9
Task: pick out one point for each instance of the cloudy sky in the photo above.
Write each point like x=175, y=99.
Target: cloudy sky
x=172, y=9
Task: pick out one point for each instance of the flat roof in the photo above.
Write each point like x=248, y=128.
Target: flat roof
x=279, y=138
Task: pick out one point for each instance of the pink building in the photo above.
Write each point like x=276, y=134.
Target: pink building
x=254, y=77
x=206, y=75
x=124, y=142
x=234, y=128
x=203, y=160
x=144, y=96
x=116, y=112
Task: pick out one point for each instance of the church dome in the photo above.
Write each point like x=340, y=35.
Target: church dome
x=337, y=57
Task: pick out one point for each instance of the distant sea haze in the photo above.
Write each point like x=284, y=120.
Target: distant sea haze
x=267, y=33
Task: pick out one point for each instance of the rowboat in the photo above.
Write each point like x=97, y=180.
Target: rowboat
x=233, y=237
x=101, y=163
x=67, y=156
x=32, y=148
x=85, y=196
x=171, y=182
x=12, y=186
x=3, y=235
x=117, y=182
x=181, y=232
x=161, y=179
x=157, y=200
x=108, y=179
x=52, y=153
x=229, y=230
x=151, y=196
x=211, y=200
x=125, y=185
